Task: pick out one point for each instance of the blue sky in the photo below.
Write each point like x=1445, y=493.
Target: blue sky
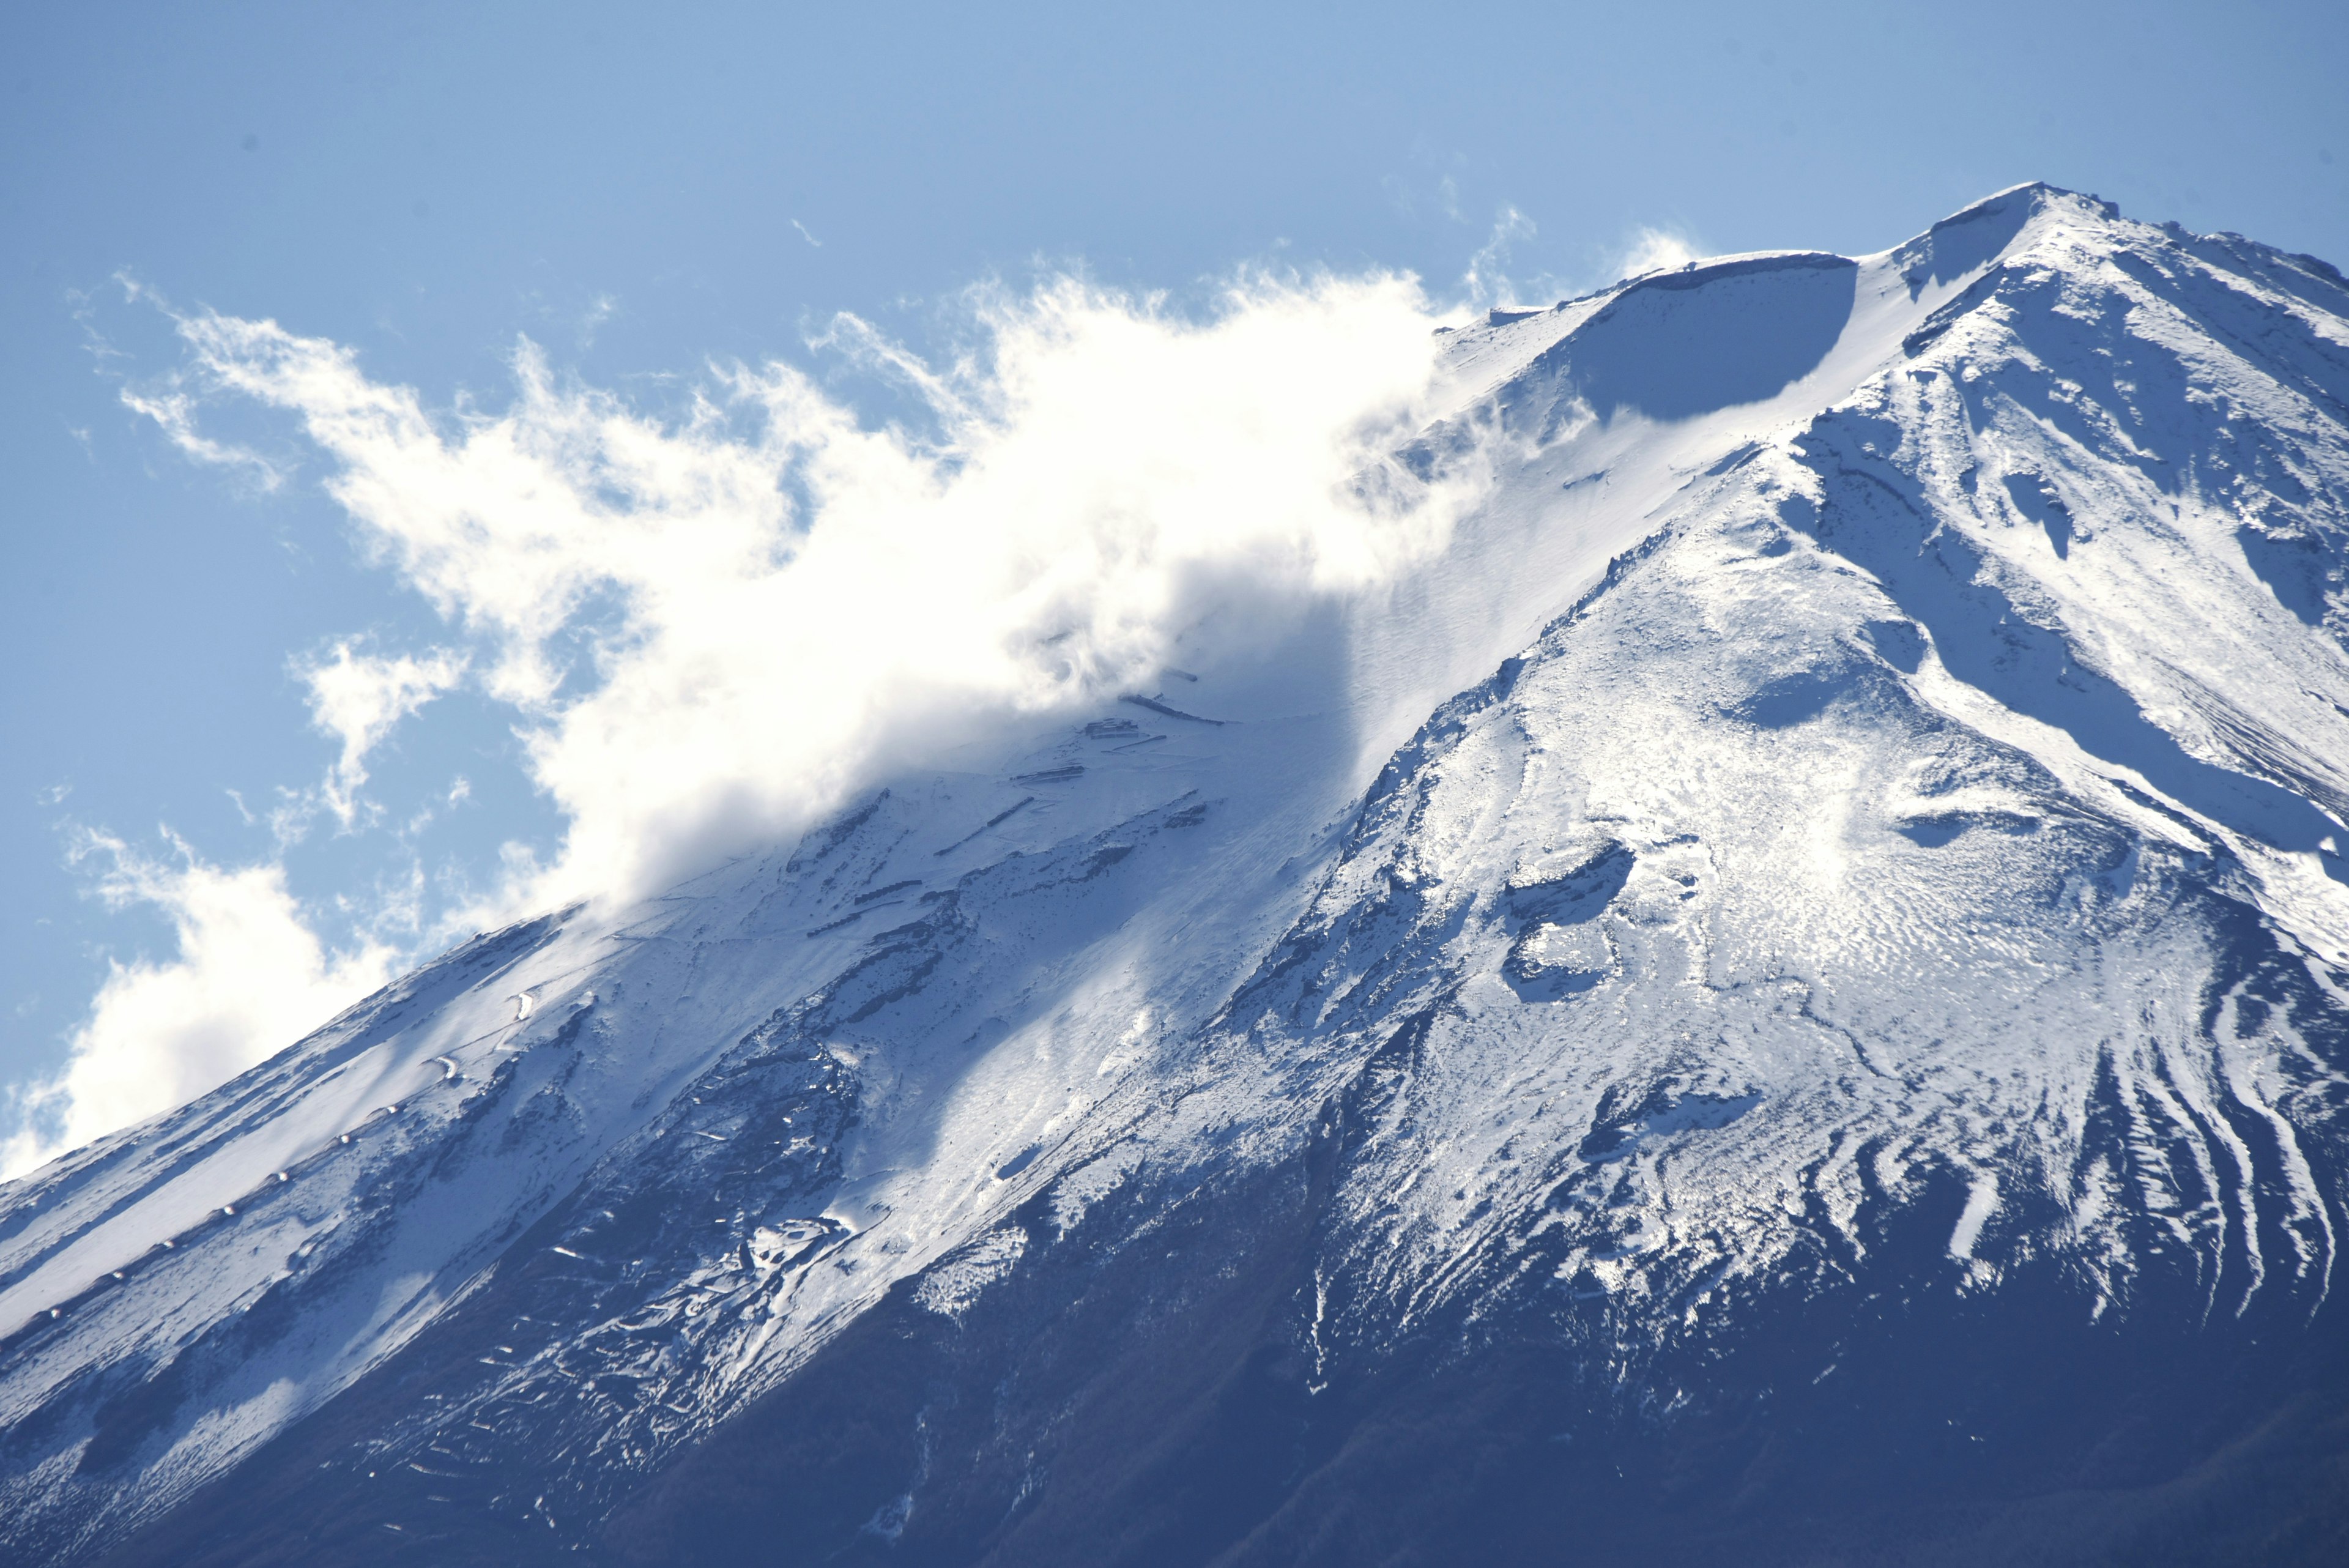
x=641, y=191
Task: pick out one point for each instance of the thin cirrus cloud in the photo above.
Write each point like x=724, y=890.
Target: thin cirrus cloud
x=713, y=630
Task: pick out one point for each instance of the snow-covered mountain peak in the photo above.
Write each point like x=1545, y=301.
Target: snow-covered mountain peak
x=1858, y=813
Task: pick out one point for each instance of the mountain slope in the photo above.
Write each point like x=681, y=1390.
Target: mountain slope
x=1784, y=1000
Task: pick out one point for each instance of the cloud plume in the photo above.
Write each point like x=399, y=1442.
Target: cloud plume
x=1652, y=249
x=713, y=626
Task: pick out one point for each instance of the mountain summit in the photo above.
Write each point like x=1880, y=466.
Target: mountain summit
x=1786, y=1002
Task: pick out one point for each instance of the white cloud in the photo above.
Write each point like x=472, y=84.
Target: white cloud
x=174, y=411
x=775, y=602
x=1487, y=283
x=358, y=698
x=1651, y=250
x=714, y=628
x=602, y=308
x=249, y=979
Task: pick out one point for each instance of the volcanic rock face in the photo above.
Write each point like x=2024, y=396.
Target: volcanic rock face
x=1830, y=1048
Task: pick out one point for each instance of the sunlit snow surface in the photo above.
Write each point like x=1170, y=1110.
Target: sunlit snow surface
x=1916, y=763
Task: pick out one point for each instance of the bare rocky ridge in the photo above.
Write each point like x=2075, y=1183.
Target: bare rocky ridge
x=1827, y=1045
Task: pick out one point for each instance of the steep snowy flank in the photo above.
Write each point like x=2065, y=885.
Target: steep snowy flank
x=1858, y=814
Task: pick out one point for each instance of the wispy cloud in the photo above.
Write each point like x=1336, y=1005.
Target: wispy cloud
x=600, y=310
x=1651, y=249
x=1487, y=282
x=167, y=399
x=358, y=698
x=794, y=600
x=712, y=628
x=1486, y=279
x=174, y=410
x=805, y=235
x=248, y=978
